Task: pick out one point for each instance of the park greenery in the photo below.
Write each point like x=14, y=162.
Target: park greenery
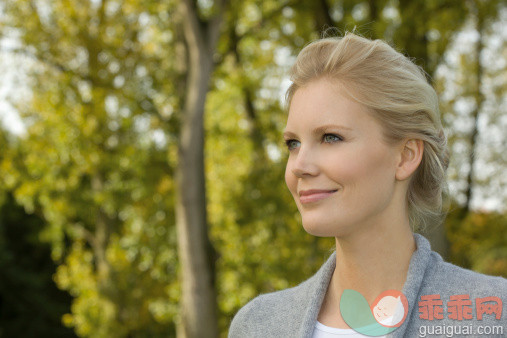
x=91, y=194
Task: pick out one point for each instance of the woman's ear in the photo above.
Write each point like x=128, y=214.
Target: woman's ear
x=410, y=158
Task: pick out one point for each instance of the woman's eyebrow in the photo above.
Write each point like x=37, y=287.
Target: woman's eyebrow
x=317, y=130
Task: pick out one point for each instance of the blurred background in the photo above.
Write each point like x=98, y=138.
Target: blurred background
x=142, y=188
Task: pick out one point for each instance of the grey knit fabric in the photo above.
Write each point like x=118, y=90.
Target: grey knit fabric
x=293, y=312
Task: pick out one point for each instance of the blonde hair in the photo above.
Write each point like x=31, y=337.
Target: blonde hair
x=400, y=98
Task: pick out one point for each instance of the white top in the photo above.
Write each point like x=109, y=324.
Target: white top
x=323, y=331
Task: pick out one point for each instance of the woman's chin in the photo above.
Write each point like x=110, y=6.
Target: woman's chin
x=319, y=229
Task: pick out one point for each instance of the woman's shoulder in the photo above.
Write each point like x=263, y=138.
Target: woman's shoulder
x=441, y=277
x=269, y=312
x=282, y=313
x=451, y=284
x=267, y=303
x=453, y=277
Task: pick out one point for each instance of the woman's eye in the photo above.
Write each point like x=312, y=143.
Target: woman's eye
x=289, y=144
x=327, y=138
x=332, y=138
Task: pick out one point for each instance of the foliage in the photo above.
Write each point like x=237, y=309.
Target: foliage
x=92, y=168
x=479, y=241
x=472, y=87
x=27, y=291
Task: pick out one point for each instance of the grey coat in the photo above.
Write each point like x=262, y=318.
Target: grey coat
x=293, y=312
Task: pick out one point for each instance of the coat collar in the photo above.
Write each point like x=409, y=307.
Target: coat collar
x=316, y=286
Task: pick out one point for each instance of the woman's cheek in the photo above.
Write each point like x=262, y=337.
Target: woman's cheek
x=290, y=179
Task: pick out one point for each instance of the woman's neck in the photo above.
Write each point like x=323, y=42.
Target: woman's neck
x=373, y=260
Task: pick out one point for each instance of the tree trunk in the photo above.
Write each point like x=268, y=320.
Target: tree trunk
x=479, y=99
x=198, y=307
x=196, y=254
x=436, y=237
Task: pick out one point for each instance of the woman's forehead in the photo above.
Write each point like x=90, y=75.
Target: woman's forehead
x=317, y=105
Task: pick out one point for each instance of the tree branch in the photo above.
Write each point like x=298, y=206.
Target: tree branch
x=236, y=38
x=192, y=24
x=266, y=18
x=48, y=62
x=96, y=82
x=322, y=17
x=85, y=233
x=214, y=24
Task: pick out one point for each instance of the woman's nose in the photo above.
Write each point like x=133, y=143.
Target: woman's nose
x=304, y=163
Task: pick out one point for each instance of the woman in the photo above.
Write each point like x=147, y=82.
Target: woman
x=367, y=161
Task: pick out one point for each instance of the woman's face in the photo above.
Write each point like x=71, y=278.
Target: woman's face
x=337, y=147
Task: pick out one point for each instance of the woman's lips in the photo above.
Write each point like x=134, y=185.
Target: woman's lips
x=316, y=196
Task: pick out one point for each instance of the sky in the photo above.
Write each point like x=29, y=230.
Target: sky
x=13, y=84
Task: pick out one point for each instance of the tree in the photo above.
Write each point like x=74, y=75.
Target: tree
x=471, y=83
x=196, y=253
x=94, y=163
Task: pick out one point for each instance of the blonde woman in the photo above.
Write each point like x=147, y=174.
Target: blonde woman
x=367, y=161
